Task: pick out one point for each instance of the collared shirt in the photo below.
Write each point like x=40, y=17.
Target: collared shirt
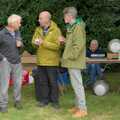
x=45, y=31
x=13, y=34
x=8, y=47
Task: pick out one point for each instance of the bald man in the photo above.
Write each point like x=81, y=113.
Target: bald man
x=45, y=39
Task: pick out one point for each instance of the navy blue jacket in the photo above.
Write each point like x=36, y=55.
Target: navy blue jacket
x=97, y=54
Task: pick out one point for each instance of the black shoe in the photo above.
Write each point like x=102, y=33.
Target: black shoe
x=18, y=105
x=3, y=110
x=56, y=106
x=40, y=104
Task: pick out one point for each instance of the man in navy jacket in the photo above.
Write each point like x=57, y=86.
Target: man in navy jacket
x=94, y=70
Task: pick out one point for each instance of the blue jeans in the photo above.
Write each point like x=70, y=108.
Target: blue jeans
x=93, y=70
x=63, y=79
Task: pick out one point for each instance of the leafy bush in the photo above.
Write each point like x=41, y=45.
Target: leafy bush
x=102, y=17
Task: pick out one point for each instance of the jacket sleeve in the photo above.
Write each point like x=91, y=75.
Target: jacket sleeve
x=51, y=40
x=1, y=41
x=18, y=35
x=1, y=38
x=35, y=36
x=78, y=42
x=19, y=38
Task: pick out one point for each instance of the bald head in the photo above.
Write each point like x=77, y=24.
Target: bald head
x=44, y=18
x=45, y=14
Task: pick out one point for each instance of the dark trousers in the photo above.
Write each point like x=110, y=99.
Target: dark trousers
x=46, y=85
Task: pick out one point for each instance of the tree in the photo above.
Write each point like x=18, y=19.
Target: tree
x=102, y=17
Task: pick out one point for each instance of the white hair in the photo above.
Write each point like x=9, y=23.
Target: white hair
x=71, y=11
x=13, y=18
x=94, y=41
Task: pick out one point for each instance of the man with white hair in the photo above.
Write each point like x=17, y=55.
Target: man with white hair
x=10, y=63
x=46, y=40
x=94, y=70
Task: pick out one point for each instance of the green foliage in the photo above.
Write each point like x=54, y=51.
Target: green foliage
x=102, y=17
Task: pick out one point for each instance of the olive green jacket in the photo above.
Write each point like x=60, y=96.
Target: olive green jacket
x=75, y=48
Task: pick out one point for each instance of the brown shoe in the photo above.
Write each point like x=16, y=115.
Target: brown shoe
x=80, y=113
x=73, y=110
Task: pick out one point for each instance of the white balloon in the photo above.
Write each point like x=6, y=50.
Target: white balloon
x=100, y=88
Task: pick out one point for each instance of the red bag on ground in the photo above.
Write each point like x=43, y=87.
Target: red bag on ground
x=25, y=78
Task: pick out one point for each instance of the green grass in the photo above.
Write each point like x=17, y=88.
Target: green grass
x=99, y=108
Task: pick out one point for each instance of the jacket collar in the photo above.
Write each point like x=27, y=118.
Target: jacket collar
x=51, y=27
x=70, y=27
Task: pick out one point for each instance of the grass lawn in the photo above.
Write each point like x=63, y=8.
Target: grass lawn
x=99, y=108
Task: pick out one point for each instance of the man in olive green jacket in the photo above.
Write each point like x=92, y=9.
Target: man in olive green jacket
x=45, y=39
x=74, y=57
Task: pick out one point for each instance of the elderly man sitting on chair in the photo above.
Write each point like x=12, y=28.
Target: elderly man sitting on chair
x=94, y=70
